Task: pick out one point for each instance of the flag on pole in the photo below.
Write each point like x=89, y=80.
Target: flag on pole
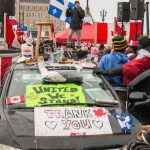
x=105, y=31
x=57, y=8
x=13, y=20
x=126, y=121
x=24, y=29
x=11, y=37
x=14, y=100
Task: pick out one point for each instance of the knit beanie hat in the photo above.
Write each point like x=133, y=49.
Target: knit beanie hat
x=119, y=43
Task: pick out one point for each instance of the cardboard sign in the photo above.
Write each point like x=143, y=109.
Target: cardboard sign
x=46, y=95
x=71, y=121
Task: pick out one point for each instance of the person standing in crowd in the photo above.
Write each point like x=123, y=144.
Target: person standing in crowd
x=77, y=14
x=114, y=60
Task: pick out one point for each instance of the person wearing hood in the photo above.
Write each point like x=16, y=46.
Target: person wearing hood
x=134, y=68
x=115, y=60
x=141, y=62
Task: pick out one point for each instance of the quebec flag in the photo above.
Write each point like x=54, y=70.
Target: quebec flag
x=126, y=121
x=58, y=9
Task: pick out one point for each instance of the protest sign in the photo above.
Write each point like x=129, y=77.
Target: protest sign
x=71, y=121
x=54, y=94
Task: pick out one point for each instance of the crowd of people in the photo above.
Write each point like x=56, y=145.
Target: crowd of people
x=121, y=63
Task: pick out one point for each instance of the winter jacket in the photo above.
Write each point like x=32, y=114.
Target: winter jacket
x=113, y=60
x=137, y=66
x=76, y=17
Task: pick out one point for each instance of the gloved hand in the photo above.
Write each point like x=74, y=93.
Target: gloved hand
x=71, y=8
x=99, y=71
x=114, y=72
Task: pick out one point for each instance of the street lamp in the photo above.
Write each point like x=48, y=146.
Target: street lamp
x=103, y=14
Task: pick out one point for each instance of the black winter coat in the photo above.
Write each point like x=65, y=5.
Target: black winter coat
x=76, y=17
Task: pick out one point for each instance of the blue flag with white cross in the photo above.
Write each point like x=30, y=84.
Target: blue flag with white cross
x=57, y=8
x=126, y=121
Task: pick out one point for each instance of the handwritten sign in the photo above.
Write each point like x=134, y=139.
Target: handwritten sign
x=41, y=95
x=71, y=121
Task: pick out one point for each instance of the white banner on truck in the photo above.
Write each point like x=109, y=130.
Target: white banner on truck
x=71, y=121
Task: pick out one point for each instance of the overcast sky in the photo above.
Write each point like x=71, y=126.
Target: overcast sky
x=97, y=5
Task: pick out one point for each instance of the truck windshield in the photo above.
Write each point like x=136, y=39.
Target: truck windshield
x=93, y=87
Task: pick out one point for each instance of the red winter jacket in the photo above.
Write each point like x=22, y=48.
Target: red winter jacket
x=134, y=68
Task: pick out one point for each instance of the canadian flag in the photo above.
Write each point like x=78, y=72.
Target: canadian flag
x=106, y=31
x=14, y=100
x=14, y=21
x=11, y=37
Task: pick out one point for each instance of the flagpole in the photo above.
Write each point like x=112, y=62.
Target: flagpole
x=115, y=26
x=126, y=104
x=5, y=43
x=95, y=33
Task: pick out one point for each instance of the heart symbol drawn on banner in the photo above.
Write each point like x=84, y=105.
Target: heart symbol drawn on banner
x=98, y=124
x=51, y=124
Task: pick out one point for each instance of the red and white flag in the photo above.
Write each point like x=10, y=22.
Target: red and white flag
x=14, y=100
x=11, y=37
x=104, y=35
x=5, y=62
x=14, y=21
x=106, y=31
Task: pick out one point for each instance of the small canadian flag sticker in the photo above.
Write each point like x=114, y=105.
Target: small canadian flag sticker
x=13, y=100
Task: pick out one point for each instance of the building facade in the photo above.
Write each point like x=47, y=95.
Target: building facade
x=29, y=12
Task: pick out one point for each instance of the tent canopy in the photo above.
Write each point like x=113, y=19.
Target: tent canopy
x=87, y=34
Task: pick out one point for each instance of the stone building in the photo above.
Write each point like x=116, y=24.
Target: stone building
x=28, y=12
